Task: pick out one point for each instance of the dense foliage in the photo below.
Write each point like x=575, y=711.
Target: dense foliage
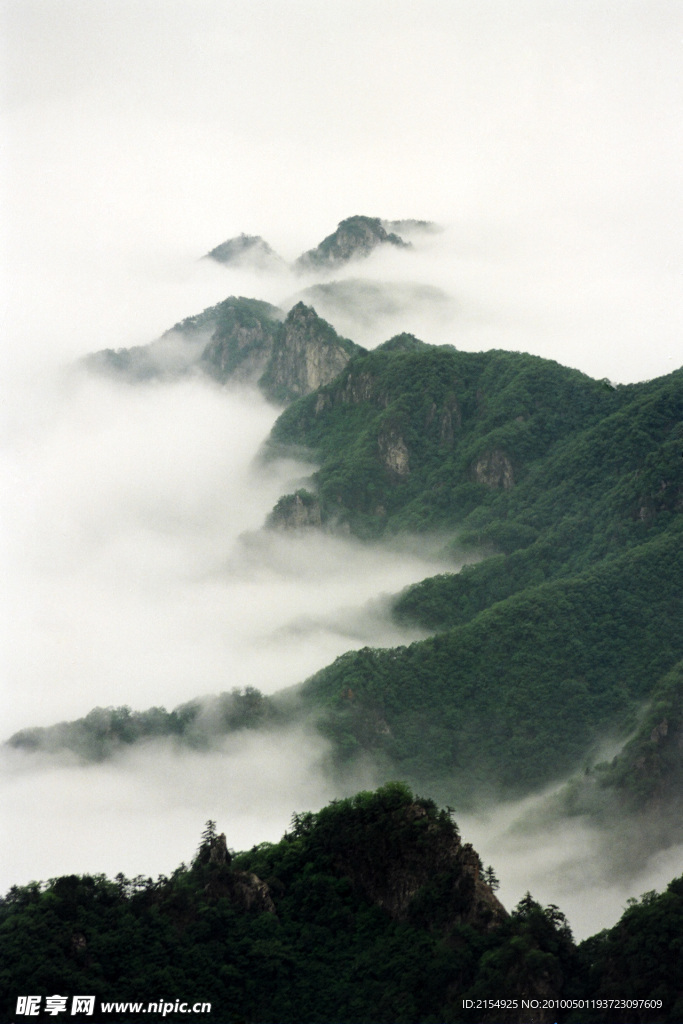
x=563, y=493
x=196, y=724
x=641, y=957
x=572, y=490
x=370, y=910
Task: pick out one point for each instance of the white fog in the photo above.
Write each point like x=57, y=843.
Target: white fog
x=543, y=137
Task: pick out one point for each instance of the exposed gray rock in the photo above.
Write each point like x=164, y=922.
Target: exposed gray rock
x=494, y=469
x=307, y=353
x=356, y=237
x=218, y=853
x=295, y=512
x=394, y=452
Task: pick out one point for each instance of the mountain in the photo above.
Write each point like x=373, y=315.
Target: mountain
x=565, y=496
x=355, y=238
x=243, y=340
x=371, y=909
x=307, y=353
x=234, y=339
x=231, y=339
x=247, y=251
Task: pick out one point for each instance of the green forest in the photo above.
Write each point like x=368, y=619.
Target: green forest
x=558, y=500
x=565, y=493
x=563, y=497
x=372, y=909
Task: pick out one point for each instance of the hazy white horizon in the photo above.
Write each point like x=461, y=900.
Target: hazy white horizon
x=546, y=135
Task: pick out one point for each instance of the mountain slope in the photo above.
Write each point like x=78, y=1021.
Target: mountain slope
x=567, y=494
x=372, y=909
x=519, y=695
x=241, y=340
x=247, y=251
x=571, y=489
x=355, y=238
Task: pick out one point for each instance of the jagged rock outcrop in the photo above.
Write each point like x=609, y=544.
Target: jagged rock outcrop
x=295, y=512
x=494, y=469
x=218, y=852
x=247, y=251
x=241, y=343
x=393, y=452
x=355, y=238
x=307, y=353
x=243, y=888
x=232, y=340
x=409, y=860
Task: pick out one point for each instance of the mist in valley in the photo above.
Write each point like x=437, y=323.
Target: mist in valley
x=139, y=574
x=542, y=139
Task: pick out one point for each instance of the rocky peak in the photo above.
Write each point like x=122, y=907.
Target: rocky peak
x=307, y=354
x=218, y=850
x=407, y=857
x=295, y=512
x=356, y=237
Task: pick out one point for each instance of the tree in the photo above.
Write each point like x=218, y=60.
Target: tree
x=489, y=876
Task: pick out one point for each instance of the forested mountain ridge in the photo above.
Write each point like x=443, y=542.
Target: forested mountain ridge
x=567, y=494
x=572, y=489
x=242, y=341
x=372, y=908
x=423, y=438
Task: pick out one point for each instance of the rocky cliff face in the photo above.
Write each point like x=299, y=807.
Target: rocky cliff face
x=296, y=512
x=355, y=238
x=307, y=353
x=494, y=469
x=409, y=860
x=393, y=452
x=242, y=340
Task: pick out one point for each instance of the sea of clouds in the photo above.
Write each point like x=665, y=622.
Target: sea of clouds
x=543, y=138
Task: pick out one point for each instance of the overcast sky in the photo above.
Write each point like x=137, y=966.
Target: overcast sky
x=140, y=133
x=137, y=135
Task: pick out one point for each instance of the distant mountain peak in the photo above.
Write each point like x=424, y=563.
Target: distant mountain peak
x=355, y=238
x=246, y=250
